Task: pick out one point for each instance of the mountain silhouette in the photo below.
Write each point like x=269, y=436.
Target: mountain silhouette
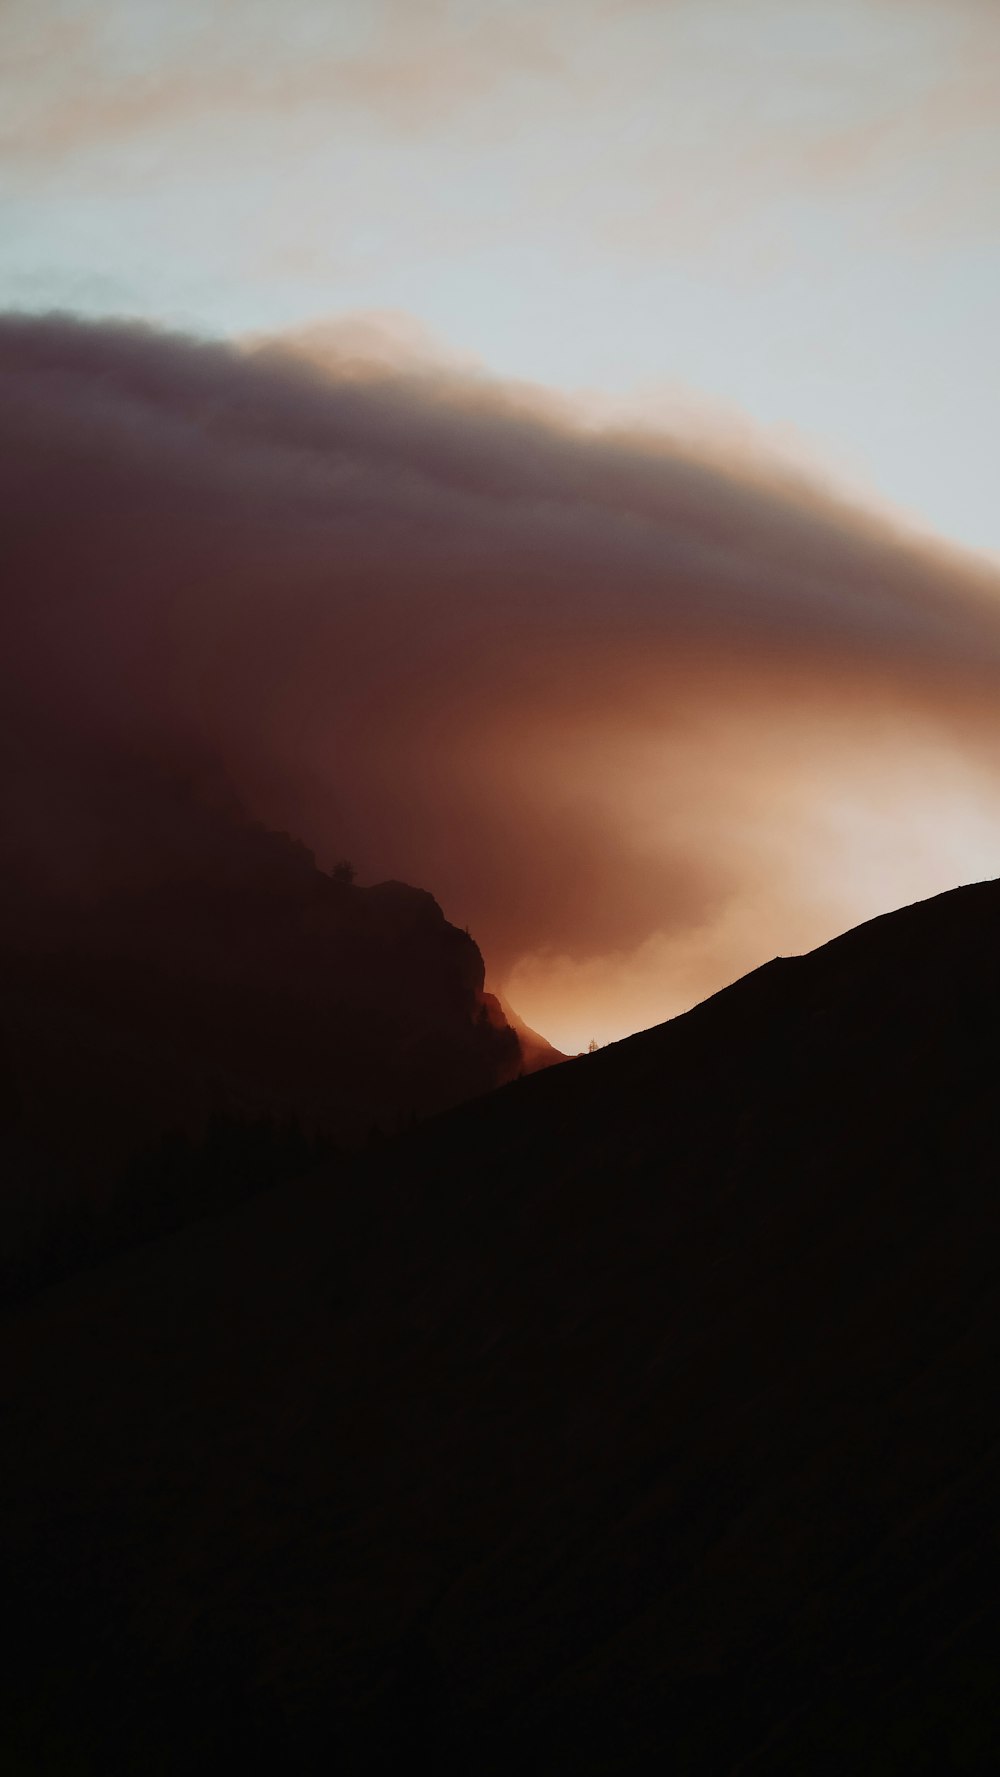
x=637, y=1416
x=198, y=967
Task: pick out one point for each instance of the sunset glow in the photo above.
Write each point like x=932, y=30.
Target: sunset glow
x=556, y=467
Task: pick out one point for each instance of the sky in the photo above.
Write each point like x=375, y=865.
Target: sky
x=786, y=207
x=741, y=258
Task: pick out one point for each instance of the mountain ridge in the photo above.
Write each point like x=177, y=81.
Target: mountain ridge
x=195, y=966
x=637, y=1415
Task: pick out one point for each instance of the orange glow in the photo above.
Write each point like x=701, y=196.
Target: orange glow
x=639, y=716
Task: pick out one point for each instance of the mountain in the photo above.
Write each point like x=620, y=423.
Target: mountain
x=195, y=967
x=638, y=1416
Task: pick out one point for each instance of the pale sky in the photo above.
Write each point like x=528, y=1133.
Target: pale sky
x=782, y=213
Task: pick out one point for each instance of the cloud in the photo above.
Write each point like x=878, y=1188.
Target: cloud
x=82, y=77
x=615, y=699
x=772, y=97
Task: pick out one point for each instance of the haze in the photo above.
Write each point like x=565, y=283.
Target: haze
x=640, y=716
x=542, y=453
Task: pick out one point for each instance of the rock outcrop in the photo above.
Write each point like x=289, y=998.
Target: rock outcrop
x=219, y=971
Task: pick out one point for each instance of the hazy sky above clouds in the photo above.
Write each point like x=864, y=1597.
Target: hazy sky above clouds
x=557, y=529
x=788, y=208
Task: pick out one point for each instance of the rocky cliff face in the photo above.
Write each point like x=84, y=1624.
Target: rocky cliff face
x=216, y=969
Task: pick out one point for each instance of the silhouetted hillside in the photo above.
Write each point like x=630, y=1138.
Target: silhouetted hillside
x=638, y=1417
x=182, y=963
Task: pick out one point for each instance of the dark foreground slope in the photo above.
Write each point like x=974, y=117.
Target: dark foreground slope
x=210, y=970
x=638, y=1417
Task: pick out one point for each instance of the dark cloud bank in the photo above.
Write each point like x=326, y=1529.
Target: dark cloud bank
x=436, y=624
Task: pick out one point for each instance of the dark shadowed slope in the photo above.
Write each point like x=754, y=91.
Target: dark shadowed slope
x=638, y=1417
x=195, y=965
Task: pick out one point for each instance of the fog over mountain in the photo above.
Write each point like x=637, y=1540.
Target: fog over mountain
x=637, y=712
x=499, y=888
